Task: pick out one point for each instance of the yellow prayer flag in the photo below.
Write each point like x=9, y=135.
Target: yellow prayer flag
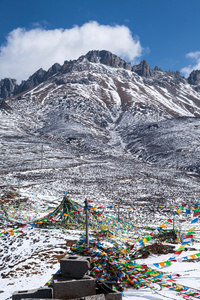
x=145, y=240
x=193, y=256
x=178, y=211
x=162, y=264
x=192, y=229
x=154, y=274
x=163, y=226
x=179, y=286
x=104, y=227
x=93, y=208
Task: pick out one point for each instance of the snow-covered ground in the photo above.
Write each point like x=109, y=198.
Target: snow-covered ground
x=29, y=258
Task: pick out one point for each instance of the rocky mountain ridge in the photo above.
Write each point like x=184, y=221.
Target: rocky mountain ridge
x=9, y=87
x=99, y=102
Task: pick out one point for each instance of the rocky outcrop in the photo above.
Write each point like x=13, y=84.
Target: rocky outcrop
x=33, y=80
x=157, y=69
x=7, y=87
x=143, y=69
x=106, y=58
x=53, y=70
x=176, y=77
x=194, y=77
x=38, y=77
x=4, y=106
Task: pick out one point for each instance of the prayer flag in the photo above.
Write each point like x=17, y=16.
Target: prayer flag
x=196, y=212
x=194, y=220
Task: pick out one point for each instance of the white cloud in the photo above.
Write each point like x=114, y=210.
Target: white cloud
x=28, y=50
x=195, y=56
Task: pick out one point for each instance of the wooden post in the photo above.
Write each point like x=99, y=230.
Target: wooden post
x=86, y=222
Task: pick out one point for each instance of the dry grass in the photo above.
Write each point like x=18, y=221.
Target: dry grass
x=48, y=257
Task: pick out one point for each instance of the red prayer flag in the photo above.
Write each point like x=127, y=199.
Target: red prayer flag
x=196, y=214
x=189, y=236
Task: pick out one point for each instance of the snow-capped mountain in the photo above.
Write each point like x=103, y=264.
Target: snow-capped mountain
x=99, y=105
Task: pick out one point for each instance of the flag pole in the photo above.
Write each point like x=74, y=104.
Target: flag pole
x=86, y=222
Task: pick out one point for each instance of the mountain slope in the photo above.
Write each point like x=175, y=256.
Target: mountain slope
x=94, y=103
x=169, y=143
x=96, y=110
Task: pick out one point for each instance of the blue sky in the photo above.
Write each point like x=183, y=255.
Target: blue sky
x=38, y=33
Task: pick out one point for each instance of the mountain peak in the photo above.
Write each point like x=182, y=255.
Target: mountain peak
x=143, y=69
x=107, y=58
x=156, y=77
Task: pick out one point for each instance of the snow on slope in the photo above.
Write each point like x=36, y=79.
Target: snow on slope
x=83, y=131
x=94, y=102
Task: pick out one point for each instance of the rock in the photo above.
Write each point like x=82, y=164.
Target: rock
x=32, y=81
x=7, y=87
x=106, y=58
x=61, y=81
x=194, y=77
x=52, y=70
x=197, y=88
x=5, y=107
x=37, y=78
x=157, y=69
x=143, y=69
x=156, y=248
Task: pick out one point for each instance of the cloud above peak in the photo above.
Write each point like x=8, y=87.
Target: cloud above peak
x=195, y=56
x=26, y=51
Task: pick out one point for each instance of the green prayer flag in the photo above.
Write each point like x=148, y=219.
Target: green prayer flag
x=148, y=237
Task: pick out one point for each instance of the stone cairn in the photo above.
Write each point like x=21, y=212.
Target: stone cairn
x=72, y=282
